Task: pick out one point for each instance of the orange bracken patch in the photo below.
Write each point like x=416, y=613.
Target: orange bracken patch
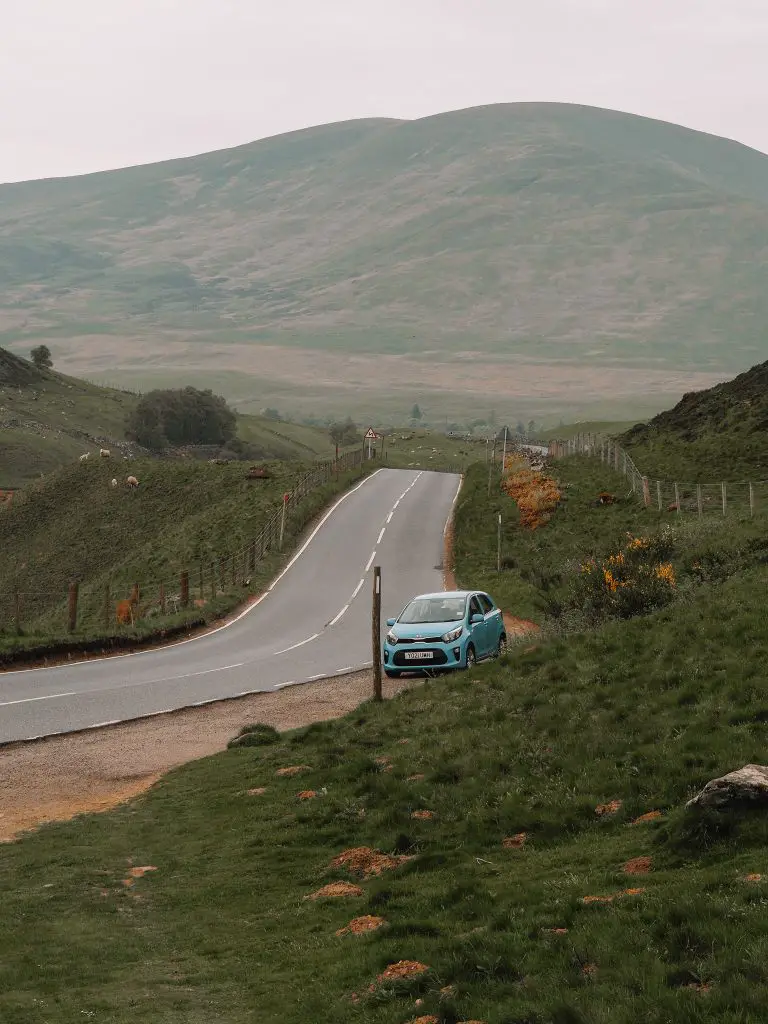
x=752, y=878
x=637, y=866
x=402, y=969
x=307, y=794
x=422, y=815
x=447, y=991
x=134, y=873
x=258, y=791
x=416, y=778
x=384, y=763
x=363, y=861
x=293, y=769
x=633, y=892
x=559, y=931
x=429, y=1019
x=334, y=889
x=698, y=986
x=650, y=816
x=359, y=925
x=404, y=740
x=610, y=808
x=514, y=842
x=589, y=970
x=597, y=899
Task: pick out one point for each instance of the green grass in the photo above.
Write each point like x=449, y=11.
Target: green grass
x=642, y=711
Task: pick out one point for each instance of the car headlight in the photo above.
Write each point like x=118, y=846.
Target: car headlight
x=454, y=634
x=391, y=637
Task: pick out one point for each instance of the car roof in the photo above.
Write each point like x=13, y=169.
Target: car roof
x=445, y=593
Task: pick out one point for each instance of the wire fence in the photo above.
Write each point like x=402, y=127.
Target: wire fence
x=741, y=497
x=110, y=607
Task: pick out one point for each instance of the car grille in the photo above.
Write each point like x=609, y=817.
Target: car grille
x=421, y=640
x=436, y=657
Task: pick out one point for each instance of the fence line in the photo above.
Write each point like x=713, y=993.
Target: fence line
x=721, y=497
x=196, y=583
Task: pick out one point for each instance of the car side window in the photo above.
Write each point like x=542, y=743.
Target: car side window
x=474, y=607
x=486, y=602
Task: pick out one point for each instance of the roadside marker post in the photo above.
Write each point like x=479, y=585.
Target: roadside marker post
x=498, y=545
x=376, y=632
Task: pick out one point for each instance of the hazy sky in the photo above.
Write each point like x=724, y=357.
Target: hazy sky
x=92, y=84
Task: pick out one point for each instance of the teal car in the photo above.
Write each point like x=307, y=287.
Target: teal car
x=450, y=630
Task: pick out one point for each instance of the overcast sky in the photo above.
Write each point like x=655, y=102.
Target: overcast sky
x=93, y=84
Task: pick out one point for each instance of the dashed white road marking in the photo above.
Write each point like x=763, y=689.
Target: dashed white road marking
x=337, y=617
x=383, y=531
x=370, y=561
x=389, y=517
x=357, y=589
x=29, y=700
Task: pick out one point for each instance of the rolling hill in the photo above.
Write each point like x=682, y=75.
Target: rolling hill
x=48, y=419
x=519, y=256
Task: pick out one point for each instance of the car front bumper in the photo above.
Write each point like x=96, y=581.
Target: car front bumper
x=416, y=657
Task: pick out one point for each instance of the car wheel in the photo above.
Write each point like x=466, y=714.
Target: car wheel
x=391, y=675
x=502, y=647
x=471, y=659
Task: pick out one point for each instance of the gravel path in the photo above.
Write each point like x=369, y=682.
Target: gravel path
x=54, y=779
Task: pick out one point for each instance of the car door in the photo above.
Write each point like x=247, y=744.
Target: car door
x=494, y=623
x=478, y=629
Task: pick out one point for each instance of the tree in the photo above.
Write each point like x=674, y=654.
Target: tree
x=415, y=413
x=531, y=428
x=182, y=416
x=41, y=357
x=272, y=414
x=344, y=433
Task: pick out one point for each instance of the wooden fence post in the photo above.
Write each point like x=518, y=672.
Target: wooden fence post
x=722, y=491
x=646, y=492
x=72, y=608
x=376, y=632
x=699, y=502
x=185, y=589
x=751, y=499
x=107, y=607
x=658, y=493
x=677, y=498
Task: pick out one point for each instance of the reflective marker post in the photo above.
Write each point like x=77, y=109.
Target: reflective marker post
x=498, y=545
x=376, y=632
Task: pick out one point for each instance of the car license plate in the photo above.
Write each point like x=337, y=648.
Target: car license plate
x=418, y=655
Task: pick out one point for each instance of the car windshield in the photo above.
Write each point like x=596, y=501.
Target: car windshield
x=434, y=609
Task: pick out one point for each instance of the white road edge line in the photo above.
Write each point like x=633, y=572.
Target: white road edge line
x=337, y=617
x=29, y=700
x=370, y=561
x=237, y=618
x=381, y=534
x=294, y=646
x=357, y=590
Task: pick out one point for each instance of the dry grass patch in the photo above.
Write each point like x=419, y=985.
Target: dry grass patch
x=365, y=862
x=360, y=925
x=334, y=890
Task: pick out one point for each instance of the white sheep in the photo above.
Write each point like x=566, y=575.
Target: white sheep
x=84, y=458
x=104, y=453
x=132, y=481
x=113, y=482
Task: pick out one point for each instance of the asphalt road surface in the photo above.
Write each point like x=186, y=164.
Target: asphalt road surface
x=315, y=620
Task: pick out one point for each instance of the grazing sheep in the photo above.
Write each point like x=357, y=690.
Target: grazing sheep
x=104, y=453
x=84, y=458
x=113, y=482
x=132, y=481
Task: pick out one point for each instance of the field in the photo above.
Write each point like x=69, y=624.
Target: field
x=529, y=891
x=536, y=259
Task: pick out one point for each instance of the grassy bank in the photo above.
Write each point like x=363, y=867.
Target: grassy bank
x=183, y=516
x=635, y=715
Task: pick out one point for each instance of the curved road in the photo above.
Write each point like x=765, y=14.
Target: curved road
x=314, y=621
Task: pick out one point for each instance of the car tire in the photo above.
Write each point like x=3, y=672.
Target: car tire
x=470, y=659
x=502, y=646
x=391, y=675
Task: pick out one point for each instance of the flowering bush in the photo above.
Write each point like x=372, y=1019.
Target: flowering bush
x=635, y=579
x=535, y=494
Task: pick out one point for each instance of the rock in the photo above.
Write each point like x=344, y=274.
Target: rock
x=747, y=787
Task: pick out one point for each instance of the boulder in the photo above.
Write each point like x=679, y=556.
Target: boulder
x=747, y=787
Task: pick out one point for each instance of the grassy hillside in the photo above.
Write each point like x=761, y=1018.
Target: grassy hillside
x=514, y=791
x=353, y=264
x=717, y=434
x=47, y=420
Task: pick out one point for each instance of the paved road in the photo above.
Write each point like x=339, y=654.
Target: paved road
x=313, y=622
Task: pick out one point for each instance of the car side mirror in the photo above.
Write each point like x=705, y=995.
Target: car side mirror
x=391, y=622
x=476, y=618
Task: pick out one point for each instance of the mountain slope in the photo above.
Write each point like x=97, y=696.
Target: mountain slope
x=722, y=432
x=531, y=235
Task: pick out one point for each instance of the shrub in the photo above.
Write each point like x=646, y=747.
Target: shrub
x=257, y=734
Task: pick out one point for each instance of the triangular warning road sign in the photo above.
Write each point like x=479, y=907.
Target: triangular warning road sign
x=370, y=434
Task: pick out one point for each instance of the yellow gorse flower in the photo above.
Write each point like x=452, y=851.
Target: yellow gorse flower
x=665, y=571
